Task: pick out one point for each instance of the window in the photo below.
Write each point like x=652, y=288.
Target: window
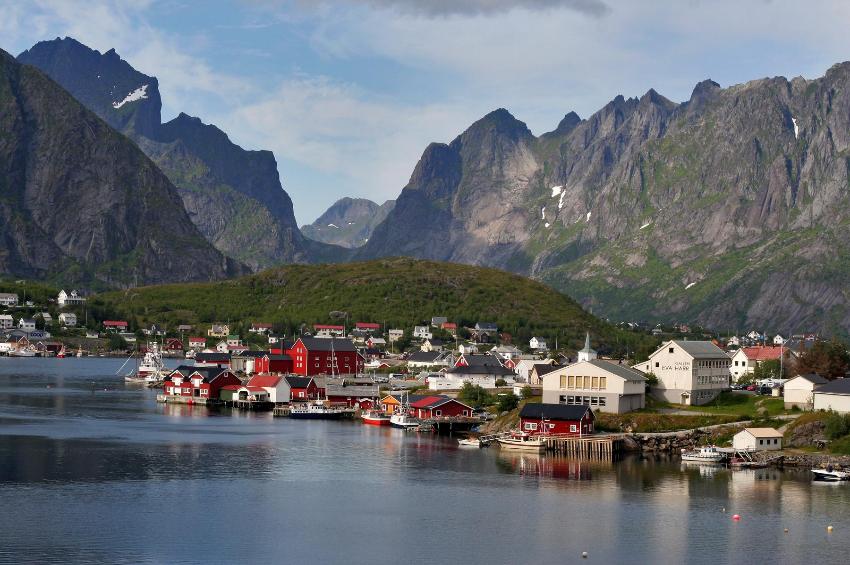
x=438, y=412
x=563, y=381
x=670, y=350
x=573, y=428
x=595, y=383
x=657, y=364
x=586, y=382
x=530, y=426
x=603, y=383
x=562, y=399
x=572, y=382
x=465, y=413
x=761, y=442
x=601, y=401
x=594, y=401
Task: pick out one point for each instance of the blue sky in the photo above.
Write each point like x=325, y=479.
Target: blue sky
x=348, y=93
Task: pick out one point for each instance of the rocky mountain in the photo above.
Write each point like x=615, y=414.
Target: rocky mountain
x=349, y=222
x=233, y=196
x=81, y=202
x=728, y=210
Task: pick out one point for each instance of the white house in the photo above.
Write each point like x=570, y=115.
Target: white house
x=68, y=319
x=688, y=372
x=538, y=344
x=760, y=439
x=8, y=299
x=740, y=365
x=778, y=340
x=733, y=341
x=260, y=328
x=26, y=324
x=467, y=349
x=800, y=390
x=432, y=344
x=524, y=366
x=506, y=351
x=428, y=359
x=602, y=385
x=834, y=395
x=277, y=387
x=222, y=347
x=72, y=298
x=422, y=332
x=48, y=319
x=6, y=322
x=395, y=335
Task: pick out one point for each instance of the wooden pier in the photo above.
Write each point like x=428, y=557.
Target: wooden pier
x=283, y=410
x=195, y=400
x=590, y=447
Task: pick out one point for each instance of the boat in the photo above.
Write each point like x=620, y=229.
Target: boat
x=150, y=369
x=523, y=441
x=319, y=410
x=830, y=475
x=22, y=352
x=376, y=418
x=402, y=418
x=61, y=353
x=469, y=442
x=708, y=454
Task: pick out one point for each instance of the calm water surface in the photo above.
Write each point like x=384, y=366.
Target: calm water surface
x=92, y=470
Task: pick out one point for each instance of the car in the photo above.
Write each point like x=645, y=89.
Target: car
x=750, y=388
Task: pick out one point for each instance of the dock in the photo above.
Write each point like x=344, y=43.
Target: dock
x=283, y=410
x=607, y=447
x=193, y=400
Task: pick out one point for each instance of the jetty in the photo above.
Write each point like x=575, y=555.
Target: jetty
x=603, y=447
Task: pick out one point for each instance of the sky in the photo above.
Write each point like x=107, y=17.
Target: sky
x=348, y=93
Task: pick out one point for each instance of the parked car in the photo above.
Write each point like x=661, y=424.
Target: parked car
x=750, y=388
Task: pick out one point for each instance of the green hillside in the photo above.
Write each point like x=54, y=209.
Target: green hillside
x=398, y=292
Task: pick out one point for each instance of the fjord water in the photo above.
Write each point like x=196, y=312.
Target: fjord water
x=92, y=470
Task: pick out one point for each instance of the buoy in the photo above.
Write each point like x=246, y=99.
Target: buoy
x=584, y=553
x=829, y=528
x=723, y=509
x=786, y=530
x=736, y=517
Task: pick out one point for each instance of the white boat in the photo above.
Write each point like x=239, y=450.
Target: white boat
x=708, y=454
x=469, y=442
x=22, y=352
x=376, y=417
x=402, y=418
x=523, y=441
x=319, y=410
x=830, y=475
x=150, y=369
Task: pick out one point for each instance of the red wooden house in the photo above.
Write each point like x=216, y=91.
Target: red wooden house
x=279, y=363
x=565, y=419
x=325, y=356
x=199, y=382
x=302, y=389
x=197, y=342
x=439, y=406
x=115, y=325
x=173, y=345
x=367, y=326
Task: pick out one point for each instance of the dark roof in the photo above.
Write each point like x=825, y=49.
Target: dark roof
x=838, y=386
x=425, y=356
x=280, y=358
x=698, y=349
x=545, y=368
x=538, y=411
x=496, y=370
x=183, y=369
x=482, y=360
x=325, y=344
x=207, y=373
x=298, y=382
x=814, y=378
x=486, y=326
x=212, y=357
x=623, y=371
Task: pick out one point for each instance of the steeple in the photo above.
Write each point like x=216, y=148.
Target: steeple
x=587, y=353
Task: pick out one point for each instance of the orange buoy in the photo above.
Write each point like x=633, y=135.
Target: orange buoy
x=736, y=517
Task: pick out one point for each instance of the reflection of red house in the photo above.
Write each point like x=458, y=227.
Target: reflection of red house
x=325, y=356
x=556, y=419
x=439, y=406
x=199, y=382
x=302, y=388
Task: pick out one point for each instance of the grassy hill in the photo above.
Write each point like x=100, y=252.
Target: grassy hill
x=398, y=292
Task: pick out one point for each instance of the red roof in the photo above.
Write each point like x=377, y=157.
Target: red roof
x=231, y=387
x=197, y=339
x=764, y=352
x=367, y=326
x=429, y=401
x=109, y=323
x=264, y=380
x=261, y=325
x=449, y=325
x=327, y=327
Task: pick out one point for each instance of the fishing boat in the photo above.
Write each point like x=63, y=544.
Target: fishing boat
x=402, y=418
x=376, y=418
x=522, y=441
x=830, y=475
x=319, y=410
x=150, y=369
x=708, y=454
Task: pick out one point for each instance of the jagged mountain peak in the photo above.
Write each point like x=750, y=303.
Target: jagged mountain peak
x=500, y=122
x=567, y=124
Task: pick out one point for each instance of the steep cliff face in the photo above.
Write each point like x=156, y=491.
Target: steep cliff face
x=349, y=222
x=81, y=202
x=729, y=209
x=233, y=196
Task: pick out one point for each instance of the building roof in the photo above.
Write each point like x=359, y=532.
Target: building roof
x=298, y=382
x=264, y=380
x=425, y=356
x=449, y=325
x=495, y=370
x=486, y=326
x=545, y=368
x=261, y=325
x=764, y=352
x=114, y=323
x=762, y=432
x=813, y=378
x=434, y=401
x=838, y=386
x=367, y=326
x=327, y=327
x=699, y=349
x=474, y=360
x=356, y=390
x=539, y=411
x=623, y=371
x=212, y=357
x=325, y=344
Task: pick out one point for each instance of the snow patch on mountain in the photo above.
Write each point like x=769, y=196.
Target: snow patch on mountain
x=556, y=190
x=138, y=94
x=796, y=128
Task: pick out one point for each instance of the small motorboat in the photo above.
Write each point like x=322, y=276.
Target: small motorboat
x=376, y=418
x=469, y=442
x=830, y=475
x=405, y=421
x=523, y=441
x=708, y=454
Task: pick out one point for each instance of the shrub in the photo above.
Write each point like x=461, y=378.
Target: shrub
x=526, y=392
x=501, y=382
x=837, y=425
x=507, y=402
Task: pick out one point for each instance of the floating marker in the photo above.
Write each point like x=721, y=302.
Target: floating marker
x=736, y=517
x=723, y=509
x=786, y=530
x=584, y=553
x=829, y=528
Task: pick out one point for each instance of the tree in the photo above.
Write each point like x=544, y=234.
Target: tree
x=507, y=402
x=117, y=343
x=829, y=359
x=474, y=395
x=501, y=382
x=766, y=370
x=526, y=392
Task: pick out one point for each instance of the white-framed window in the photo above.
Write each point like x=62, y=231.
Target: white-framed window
x=573, y=428
x=530, y=426
x=438, y=412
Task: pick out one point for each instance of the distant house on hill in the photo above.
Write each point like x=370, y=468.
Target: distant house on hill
x=218, y=330
x=800, y=391
x=538, y=344
x=688, y=372
x=73, y=298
